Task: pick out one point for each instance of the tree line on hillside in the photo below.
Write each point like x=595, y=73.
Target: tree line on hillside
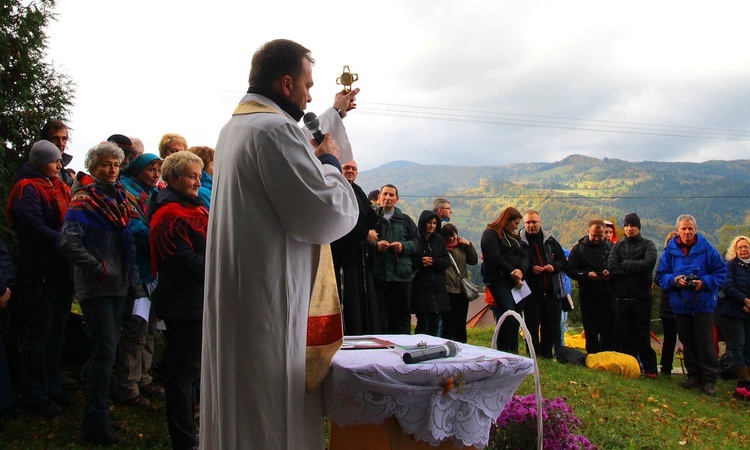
x=714, y=192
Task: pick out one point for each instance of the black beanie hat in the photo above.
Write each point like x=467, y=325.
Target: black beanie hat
x=123, y=142
x=632, y=219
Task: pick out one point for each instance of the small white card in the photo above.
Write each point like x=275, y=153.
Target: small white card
x=142, y=308
x=521, y=292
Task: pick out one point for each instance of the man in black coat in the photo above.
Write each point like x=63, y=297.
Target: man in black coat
x=353, y=265
x=587, y=264
x=631, y=262
x=542, y=309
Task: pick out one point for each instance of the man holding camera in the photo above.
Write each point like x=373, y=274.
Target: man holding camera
x=631, y=262
x=692, y=270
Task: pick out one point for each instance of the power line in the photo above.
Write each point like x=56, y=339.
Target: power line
x=475, y=116
x=580, y=197
x=558, y=117
x=547, y=124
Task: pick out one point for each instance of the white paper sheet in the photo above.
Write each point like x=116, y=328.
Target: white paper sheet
x=520, y=293
x=142, y=308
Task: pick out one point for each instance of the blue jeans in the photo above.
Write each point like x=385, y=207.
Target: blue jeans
x=46, y=309
x=428, y=323
x=103, y=317
x=507, y=339
x=740, y=345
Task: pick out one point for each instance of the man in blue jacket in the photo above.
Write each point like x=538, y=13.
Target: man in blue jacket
x=692, y=270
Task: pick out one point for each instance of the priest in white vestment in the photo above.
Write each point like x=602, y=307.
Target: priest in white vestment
x=275, y=200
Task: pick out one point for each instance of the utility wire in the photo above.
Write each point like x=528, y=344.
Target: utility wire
x=580, y=197
x=474, y=116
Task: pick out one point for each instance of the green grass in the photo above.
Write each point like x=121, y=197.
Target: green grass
x=621, y=413
x=616, y=413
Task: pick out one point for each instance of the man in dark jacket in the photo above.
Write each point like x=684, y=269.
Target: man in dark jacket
x=352, y=260
x=56, y=132
x=587, y=264
x=399, y=239
x=632, y=262
x=547, y=263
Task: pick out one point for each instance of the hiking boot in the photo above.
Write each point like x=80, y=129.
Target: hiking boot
x=709, y=389
x=152, y=391
x=65, y=400
x=651, y=375
x=690, y=383
x=138, y=401
x=102, y=435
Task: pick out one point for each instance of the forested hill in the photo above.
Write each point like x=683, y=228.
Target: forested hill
x=570, y=192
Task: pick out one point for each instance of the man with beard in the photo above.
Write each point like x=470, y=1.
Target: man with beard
x=278, y=199
x=352, y=262
x=587, y=264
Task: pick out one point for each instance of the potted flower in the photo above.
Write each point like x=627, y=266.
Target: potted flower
x=516, y=428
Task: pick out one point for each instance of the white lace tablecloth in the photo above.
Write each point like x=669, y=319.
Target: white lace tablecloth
x=368, y=386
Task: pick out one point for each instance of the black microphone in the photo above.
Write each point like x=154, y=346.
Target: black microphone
x=313, y=124
x=447, y=350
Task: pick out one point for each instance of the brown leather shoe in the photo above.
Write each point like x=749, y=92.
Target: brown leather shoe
x=138, y=401
x=152, y=391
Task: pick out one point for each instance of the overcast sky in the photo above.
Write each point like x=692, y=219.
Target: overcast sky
x=448, y=82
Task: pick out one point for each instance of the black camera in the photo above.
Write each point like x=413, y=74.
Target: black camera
x=691, y=278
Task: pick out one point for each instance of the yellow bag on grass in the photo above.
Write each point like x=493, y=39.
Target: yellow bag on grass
x=614, y=362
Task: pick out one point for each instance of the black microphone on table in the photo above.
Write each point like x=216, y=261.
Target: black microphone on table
x=446, y=350
x=313, y=124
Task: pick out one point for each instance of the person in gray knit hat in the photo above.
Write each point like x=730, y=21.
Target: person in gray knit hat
x=43, y=153
x=631, y=263
x=36, y=209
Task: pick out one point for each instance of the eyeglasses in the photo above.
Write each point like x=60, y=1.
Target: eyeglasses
x=448, y=208
x=352, y=168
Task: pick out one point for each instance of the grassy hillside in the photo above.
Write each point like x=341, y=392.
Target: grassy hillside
x=570, y=192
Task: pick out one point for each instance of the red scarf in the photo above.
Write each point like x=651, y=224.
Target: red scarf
x=52, y=190
x=174, y=219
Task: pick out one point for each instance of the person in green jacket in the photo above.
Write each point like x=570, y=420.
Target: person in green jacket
x=398, y=239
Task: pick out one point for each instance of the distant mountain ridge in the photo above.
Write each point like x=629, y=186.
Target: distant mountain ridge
x=570, y=192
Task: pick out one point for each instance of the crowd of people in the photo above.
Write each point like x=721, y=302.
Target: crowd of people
x=133, y=230
x=413, y=275
x=127, y=231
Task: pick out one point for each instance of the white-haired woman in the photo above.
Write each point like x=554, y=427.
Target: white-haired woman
x=179, y=222
x=96, y=239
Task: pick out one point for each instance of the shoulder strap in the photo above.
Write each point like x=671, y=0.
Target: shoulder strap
x=454, y=264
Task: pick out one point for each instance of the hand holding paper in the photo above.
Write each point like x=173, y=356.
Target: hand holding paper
x=142, y=308
x=521, y=292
